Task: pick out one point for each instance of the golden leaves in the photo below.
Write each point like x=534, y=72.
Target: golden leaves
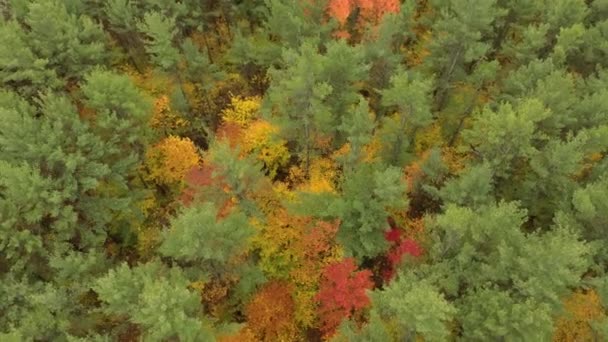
x=164, y=118
x=171, y=159
x=242, y=110
x=273, y=153
x=270, y=314
x=582, y=308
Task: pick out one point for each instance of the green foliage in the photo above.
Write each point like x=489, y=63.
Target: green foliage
x=414, y=308
x=494, y=314
x=242, y=175
x=504, y=136
x=368, y=193
x=160, y=31
x=374, y=331
x=494, y=112
x=471, y=189
x=460, y=25
x=196, y=235
x=20, y=68
x=69, y=44
x=155, y=298
x=60, y=174
x=485, y=252
x=358, y=129
x=410, y=94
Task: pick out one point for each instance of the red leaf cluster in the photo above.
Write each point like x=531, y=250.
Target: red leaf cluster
x=400, y=247
x=342, y=293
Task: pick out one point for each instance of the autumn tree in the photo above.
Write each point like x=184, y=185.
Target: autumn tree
x=171, y=159
x=342, y=293
x=270, y=314
x=362, y=208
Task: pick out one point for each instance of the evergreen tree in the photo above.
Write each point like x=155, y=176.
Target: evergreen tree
x=409, y=93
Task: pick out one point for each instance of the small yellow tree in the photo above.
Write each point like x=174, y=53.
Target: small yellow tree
x=582, y=309
x=259, y=140
x=170, y=160
x=242, y=110
x=164, y=119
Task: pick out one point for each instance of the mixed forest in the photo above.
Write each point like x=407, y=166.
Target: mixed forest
x=303, y=170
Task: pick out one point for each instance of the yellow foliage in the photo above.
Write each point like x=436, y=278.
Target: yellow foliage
x=170, y=160
x=455, y=160
x=322, y=174
x=220, y=95
x=290, y=250
x=148, y=238
x=272, y=153
x=150, y=81
x=282, y=190
x=588, y=163
x=371, y=150
x=242, y=110
x=416, y=55
x=164, y=118
x=428, y=137
x=317, y=249
x=275, y=239
x=582, y=308
x=341, y=152
x=198, y=285
x=194, y=95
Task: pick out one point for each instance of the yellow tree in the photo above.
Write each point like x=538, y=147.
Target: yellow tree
x=581, y=310
x=171, y=159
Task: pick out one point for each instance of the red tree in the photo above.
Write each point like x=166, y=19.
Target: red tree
x=342, y=293
x=400, y=247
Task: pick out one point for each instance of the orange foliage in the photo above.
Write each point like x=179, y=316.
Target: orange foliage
x=370, y=11
x=201, y=177
x=340, y=10
x=413, y=173
x=196, y=178
x=171, y=159
x=270, y=314
x=294, y=249
x=230, y=132
x=582, y=308
x=316, y=250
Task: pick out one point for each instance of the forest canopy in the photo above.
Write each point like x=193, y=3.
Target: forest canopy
x=303, y=170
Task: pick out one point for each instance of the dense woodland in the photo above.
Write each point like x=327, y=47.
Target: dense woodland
x=303, y=170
